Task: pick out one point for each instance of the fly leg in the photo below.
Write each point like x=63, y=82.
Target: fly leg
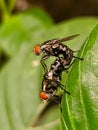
x=66, y=69
x=78, y=58
x=61, y=86
x=43, y=64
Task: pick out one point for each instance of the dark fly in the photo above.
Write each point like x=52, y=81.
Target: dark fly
x=52, y=78
x=54, y=47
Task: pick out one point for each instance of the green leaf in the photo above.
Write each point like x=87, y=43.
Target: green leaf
x=23, y=29
x=80, y=108
x=41, y=15
x=20, y=79
x=19, y=91
x=82, y=26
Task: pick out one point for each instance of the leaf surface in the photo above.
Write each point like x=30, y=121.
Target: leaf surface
x=80, y=109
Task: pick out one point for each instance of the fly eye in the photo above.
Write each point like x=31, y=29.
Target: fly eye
x=37, y=49
x=44, y=95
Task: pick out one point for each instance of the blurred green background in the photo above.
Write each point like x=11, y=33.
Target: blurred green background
x=24, y=23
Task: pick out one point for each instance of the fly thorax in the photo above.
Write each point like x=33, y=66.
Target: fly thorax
x=56, y=45
x=43, y=47
x=50, y=75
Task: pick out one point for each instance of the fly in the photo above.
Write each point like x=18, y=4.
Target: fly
x=52, y=78
x=55, y=47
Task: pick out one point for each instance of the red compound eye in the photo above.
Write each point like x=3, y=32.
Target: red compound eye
x=44, y=95
x=37, y=49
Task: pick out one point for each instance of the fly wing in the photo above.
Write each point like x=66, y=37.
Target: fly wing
x=68, y=38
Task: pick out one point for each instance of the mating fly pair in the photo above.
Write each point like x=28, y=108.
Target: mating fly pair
x=52, y=77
